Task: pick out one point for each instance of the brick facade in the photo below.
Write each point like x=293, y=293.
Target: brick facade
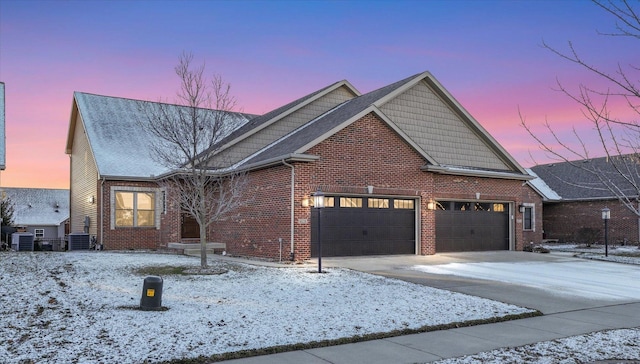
x=581, y=222
x=123, y=238
x=366, y=153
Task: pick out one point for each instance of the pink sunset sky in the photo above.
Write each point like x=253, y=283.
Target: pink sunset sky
x=488, y=54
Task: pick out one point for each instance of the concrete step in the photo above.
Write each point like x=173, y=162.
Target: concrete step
x=193, y=249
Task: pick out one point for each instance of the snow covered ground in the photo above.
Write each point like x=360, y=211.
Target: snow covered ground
x=598, y=346
x=81, y=307
x=618, y=345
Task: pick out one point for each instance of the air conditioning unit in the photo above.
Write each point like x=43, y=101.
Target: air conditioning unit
x=22, y=241
x=78, y=241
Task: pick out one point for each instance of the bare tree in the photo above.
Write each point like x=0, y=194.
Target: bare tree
x=186, y=137
x=617, y=136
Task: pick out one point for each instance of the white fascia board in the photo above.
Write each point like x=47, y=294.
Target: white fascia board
x=457, y=171
x=294, y=157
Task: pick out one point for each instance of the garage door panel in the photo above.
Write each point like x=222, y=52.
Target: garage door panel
x=471, y=230
x=349, y=231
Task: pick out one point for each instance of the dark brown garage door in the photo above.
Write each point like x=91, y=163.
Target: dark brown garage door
x=471, y=226
x=364, y=226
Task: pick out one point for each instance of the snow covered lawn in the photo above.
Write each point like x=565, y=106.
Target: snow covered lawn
x=81, y=307
x=621, y=345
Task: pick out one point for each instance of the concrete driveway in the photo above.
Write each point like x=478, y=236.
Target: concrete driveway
x=550, y=283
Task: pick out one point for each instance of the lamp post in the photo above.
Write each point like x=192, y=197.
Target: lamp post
x=318, y=203
x=606, y=215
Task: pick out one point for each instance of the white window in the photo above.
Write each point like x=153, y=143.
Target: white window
x=528, y=217
x=39, y=233
x=136, y=207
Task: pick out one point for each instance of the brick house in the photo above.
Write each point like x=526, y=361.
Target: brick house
x=574, y=194
x=405, y=169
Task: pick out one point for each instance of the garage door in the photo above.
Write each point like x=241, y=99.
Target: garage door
x=471, y=226
x=364, y=226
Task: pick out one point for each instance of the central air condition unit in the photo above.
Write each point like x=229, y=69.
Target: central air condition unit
x=78, y=241
x=22, y=241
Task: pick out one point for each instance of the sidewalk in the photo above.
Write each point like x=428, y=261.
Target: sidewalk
x=436, y=345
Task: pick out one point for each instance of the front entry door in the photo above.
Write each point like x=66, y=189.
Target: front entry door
x=190, y=228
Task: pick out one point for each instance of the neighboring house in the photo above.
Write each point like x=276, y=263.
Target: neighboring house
x=405, y=169
x=574, y=199
x=42, y=212
x=3, y=146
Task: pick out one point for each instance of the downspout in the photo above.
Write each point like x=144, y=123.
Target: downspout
x=102, y=213
x=293, y=180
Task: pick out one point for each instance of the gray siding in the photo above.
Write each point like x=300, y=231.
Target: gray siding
x=50, y=232
x=84, y=183
x=436, y=128
x=287, y=124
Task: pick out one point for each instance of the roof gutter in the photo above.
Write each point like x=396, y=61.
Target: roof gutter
x=606, y=198
x=293, y=157
x=476, y=173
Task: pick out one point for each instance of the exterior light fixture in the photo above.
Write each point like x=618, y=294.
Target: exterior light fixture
x=521, y=208
x=318, y=203
x=92, y=199
x=431, y=205
x=306, y=201
x=606, y=215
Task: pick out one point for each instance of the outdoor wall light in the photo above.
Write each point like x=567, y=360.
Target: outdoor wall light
x=306, y=201
x=521, y=209
x=92, y=199
x=431, y=205
x=318, y=199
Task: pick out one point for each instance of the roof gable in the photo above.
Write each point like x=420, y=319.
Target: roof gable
x=327, y=124
x=118, y=141
x=284, y=123
x=38, y=206
x=260, y=122
x=443, y=128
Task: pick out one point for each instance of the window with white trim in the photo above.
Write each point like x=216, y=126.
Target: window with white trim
x=39, y=233
x=135, y=209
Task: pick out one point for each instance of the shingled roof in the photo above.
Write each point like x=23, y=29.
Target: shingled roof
x=119, y=143
x=417, y=108
x=591, y=179
x=416, y=132
x=38, y=206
